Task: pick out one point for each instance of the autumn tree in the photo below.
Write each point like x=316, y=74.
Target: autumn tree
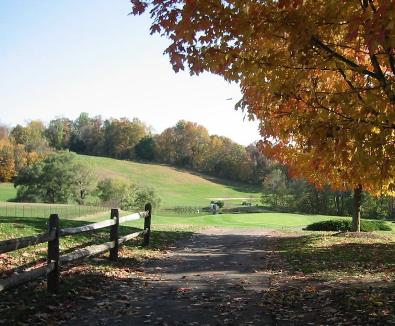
x=32, y=137
x=120, y=136
x=319, y=75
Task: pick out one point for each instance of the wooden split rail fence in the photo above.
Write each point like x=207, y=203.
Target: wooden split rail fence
x=55, y=260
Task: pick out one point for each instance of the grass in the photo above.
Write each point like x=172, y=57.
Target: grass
x=341, y=279
x=334, y=257
x=7, y=191
x=176, y=187
x=41, y=210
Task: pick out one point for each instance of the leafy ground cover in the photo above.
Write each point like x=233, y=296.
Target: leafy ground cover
x=311, y=279
x=342, y=279
x=84, y=281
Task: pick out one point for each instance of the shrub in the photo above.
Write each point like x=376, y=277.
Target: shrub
x=219, y=203
x=346, y=225
x=126, y=195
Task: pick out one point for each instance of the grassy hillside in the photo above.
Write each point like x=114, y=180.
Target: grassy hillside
x=7, y=191
x=175, y=187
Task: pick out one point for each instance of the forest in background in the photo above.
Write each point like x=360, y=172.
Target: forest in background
x=186, y=145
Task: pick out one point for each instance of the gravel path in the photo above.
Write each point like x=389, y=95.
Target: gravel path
x=212, y=278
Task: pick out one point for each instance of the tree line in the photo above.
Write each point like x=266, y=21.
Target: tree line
x=186, y=145
x=281, y=192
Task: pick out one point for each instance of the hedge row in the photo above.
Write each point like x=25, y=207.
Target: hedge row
x=346, y=225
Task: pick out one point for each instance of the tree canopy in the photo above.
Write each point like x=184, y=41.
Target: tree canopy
x=319, y=75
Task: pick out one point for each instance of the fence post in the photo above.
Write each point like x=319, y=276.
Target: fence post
x=53, y=254
x=147, y=225
x=114, y=234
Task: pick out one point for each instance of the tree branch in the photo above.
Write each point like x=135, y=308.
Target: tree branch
x=318, y=43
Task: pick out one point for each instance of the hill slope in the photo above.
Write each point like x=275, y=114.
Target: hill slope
x=175, y=187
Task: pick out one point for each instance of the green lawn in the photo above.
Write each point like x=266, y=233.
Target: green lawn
x=271, y=220
x=175, y=187
x=7, y=191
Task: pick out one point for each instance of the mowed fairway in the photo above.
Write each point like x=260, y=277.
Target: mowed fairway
x=175, y=187
x=269, y=220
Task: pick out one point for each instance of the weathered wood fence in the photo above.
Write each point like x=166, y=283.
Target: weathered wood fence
x=55, y=260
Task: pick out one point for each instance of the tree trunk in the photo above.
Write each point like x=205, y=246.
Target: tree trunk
x=337, y=203
x=356, y=219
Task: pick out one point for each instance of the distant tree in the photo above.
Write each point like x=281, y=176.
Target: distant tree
x=145, y=148
x=275, y=188
x=7, y=161
x=32, y=137
x=4, y=131
x=58, y=133
x=59, y=178
x=87, y=135
x=122, y=135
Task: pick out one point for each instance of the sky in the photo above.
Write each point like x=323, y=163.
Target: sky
x=60, y=58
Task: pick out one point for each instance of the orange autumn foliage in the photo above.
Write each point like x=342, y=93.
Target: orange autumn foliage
x=318, y=74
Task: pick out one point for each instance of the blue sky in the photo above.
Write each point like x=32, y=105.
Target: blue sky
x=59, y=58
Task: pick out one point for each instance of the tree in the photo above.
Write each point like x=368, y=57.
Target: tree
x=32, y=137
x=122, y=135
x=318, y=75
x=58, y=133
x=145, y=148
x=87, y=135
x=126, y=195
x=59, y=178
x=184, y=144
x=114, y=192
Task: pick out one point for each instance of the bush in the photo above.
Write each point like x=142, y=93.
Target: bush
x=346, y=225
x=219, y=203
x=126, y=195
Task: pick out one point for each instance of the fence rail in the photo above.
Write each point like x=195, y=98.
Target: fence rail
x=19, y=243
x=54, y=259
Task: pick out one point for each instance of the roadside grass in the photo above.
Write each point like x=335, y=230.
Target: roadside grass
x=7, y=191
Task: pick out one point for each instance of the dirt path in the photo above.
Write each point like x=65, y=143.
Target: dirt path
x=212, y=278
